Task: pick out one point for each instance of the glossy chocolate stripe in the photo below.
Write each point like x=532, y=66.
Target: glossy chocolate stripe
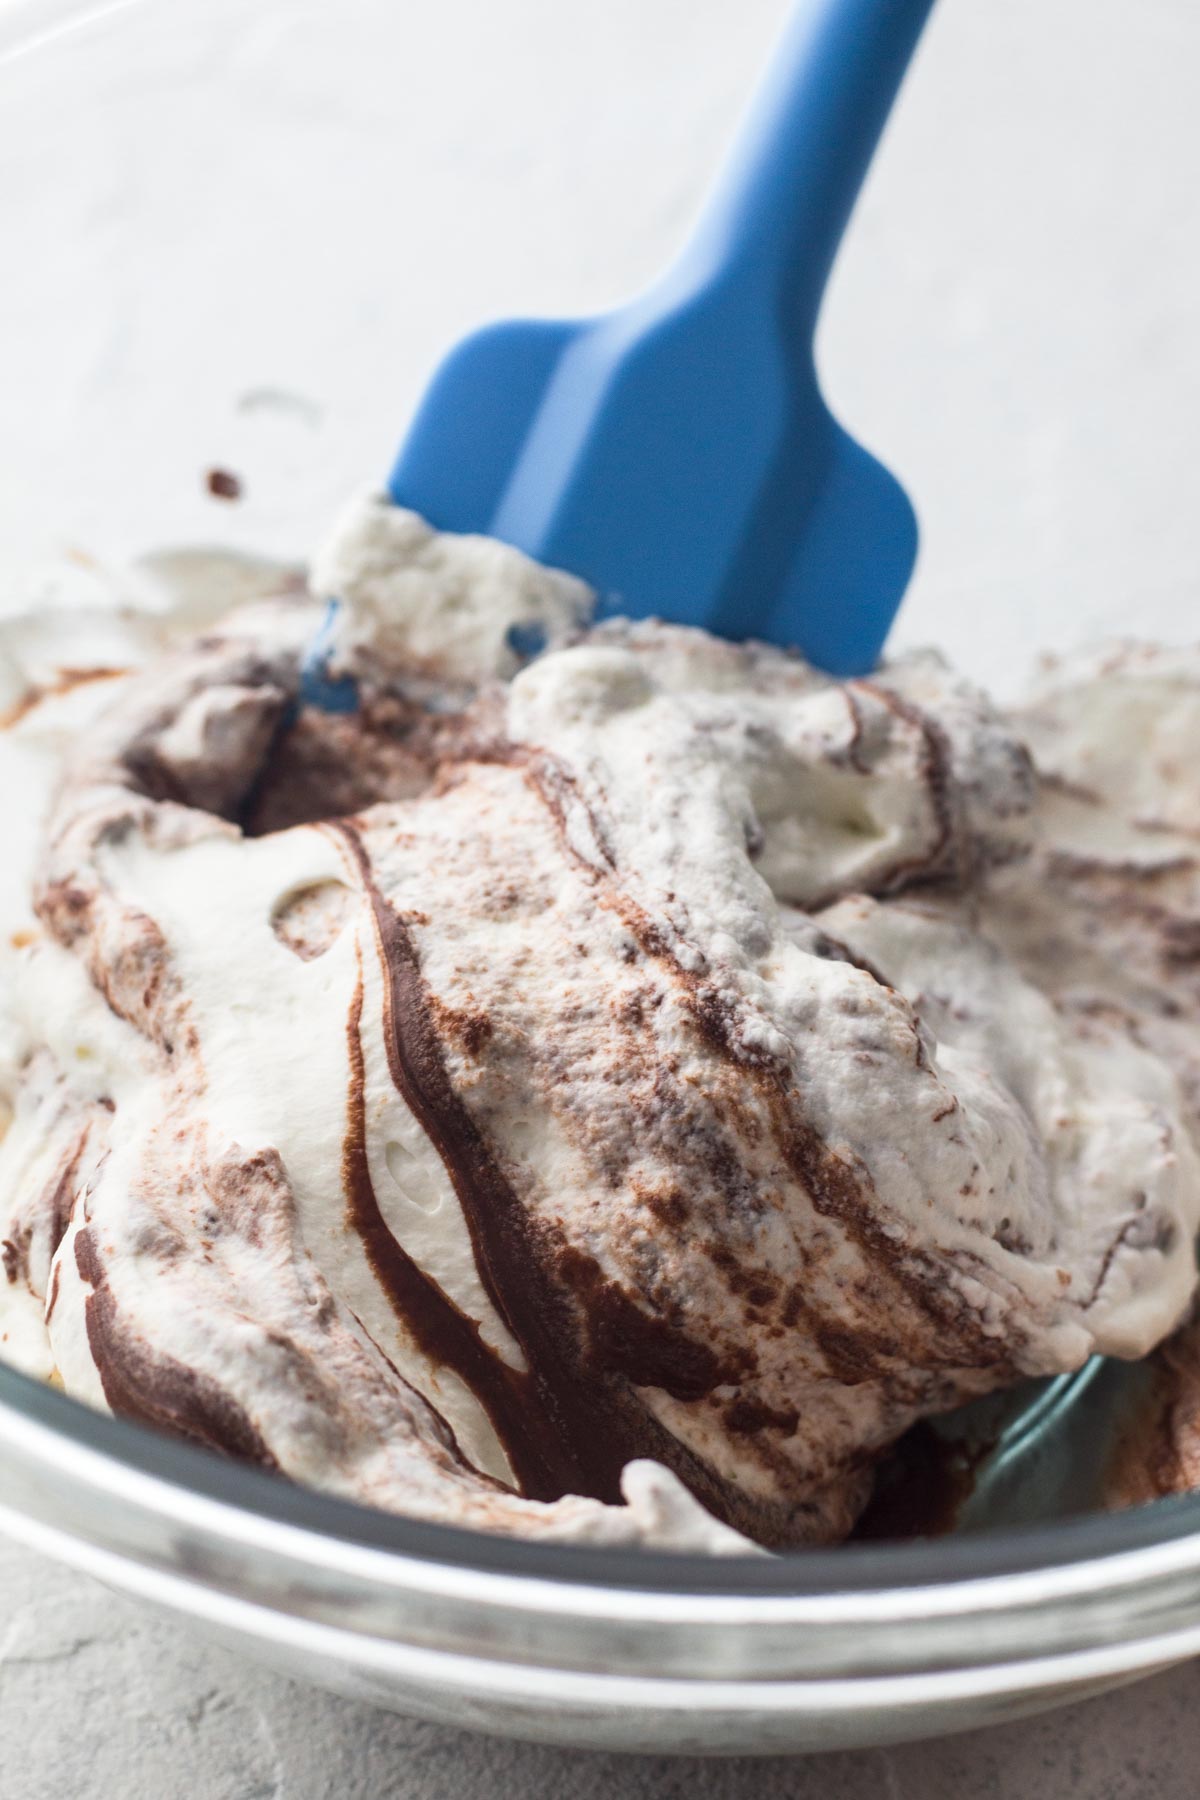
x=143, y=1384
x=62, y=1200
x=448, y=1338
x=583, y=1437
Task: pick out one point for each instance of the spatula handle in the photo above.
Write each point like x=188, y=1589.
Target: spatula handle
x=779, y=209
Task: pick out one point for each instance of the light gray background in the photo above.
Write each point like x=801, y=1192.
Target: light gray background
x=239, y=233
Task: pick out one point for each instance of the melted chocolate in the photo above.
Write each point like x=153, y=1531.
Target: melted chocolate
x=935, y=771
x=62, y=1200
x=624, y=1340
x=154, y=1389
x=580, y=1416
x=327, y=765
x=447, y=1336
x=922, y=1485
x=65, y=681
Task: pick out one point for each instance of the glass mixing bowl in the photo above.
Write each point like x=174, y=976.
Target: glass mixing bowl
x=235, y=238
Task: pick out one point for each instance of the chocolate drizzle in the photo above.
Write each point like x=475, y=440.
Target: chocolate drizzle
x=62, y=1199
x=921, y=1487
x=143, y=1384
x=47, y=1220
x=577, y=1434
x=66, y=680
x=646, y=1349
x=447, y=1336
x=940, y=858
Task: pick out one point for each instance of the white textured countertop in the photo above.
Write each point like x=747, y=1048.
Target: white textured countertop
x=1013, y=326
x=100, y=1698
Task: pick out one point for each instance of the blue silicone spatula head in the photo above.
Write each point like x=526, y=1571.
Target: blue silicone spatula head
x=677, y=453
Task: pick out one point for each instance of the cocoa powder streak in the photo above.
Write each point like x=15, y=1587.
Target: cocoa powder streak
x=834, y=1189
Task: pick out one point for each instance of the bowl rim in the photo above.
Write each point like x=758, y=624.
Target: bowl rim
x=1067, y=1549
x=1062, y=1556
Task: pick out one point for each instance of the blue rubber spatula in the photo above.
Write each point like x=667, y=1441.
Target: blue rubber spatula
x=679, y=456
x=677, y=453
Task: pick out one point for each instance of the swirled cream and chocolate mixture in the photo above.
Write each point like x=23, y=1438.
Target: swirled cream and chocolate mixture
x=607, y=1093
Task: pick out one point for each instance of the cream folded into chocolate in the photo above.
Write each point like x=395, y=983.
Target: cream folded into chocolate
x=609, y=1096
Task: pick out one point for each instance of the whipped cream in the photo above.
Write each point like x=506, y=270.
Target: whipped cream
x=610, y=1095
